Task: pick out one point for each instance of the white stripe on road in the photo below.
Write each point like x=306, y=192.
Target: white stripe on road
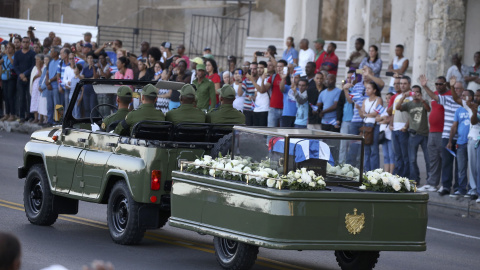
x=454, y=233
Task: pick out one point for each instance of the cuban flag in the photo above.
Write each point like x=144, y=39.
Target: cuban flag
x=297, y=71
x=332, y=122
x=354, y=96
x=379, y=109
x=290, y=59
x=304, y=149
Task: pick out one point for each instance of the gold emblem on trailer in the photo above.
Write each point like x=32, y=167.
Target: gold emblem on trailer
x=354, y=223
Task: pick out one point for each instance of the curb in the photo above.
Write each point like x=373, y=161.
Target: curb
x=15, y=126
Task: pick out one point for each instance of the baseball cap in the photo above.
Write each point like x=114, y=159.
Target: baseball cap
x=198, y=60
x=227, y=91
x=124, y=91
x=200, y=67
x=88, y=45
x=187, y=91
x=231, y=58
x=87, y=34
x=319, y=40
x=149, y=90
x=209, y=56
x=207, y=49
x=167, y=45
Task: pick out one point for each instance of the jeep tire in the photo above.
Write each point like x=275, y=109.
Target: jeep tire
x=350, y=260
x=123, y=217
x=38, y=198
x=233, y=255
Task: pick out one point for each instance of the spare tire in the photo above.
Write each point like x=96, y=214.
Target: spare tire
x=223, y=146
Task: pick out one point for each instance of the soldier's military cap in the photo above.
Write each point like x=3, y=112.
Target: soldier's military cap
x=227, y=91
x=149, y=90
x=187, y=91
x=124, y=91
x=200, y=67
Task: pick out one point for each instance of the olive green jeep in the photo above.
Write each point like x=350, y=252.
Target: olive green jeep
x=132, y=174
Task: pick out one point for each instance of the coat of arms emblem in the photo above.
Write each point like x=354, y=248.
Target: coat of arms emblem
x=354, y=223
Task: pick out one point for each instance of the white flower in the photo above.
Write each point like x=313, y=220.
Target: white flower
x=304, y=170
x=329, y=166
x=312, y=184
x=235, y=162
x=396, y=185
x=321, y=182
x=279, y=184
x=271, y=182
x=345, y=170
x=306, y=178
x=197, y=163
x=363, y=187
x=297, y=175
x=356, y=171
x=373, y=181
x=212, y=172
x=311, y=173
x=228, y=166
x=350, y=174
x=386, y=180
x=207, y=158
x=407, y=185
x=247, y=169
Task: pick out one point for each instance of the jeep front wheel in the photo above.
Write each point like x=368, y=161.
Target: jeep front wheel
x=38, y=198
x=233, y=255
x=122, y=216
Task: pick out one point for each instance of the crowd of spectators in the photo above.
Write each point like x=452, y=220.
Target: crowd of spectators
x=293, y=89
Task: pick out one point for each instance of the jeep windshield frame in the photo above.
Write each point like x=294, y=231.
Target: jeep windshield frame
x=69, y=120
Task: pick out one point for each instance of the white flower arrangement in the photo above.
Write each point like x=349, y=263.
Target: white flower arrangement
x=344, y=170
x=240, y=169
x=378, y=180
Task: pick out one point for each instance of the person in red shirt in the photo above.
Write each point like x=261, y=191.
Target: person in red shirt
x=277, y=84
x=212, y=74
x=328, y=60
x=435, y=146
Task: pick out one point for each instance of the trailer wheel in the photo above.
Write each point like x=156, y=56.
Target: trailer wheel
x=223, y=146
x=233, y=255
x=122, y=216
x=38, y=198
x=351, y=260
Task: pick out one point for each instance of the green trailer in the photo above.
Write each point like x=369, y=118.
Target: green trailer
x=354, y=222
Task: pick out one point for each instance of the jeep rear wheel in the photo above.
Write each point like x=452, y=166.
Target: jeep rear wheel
x=350, y=260
x=122, y=216
x=38, y=198
x=233, y=255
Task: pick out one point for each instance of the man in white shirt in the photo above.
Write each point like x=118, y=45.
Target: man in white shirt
x=398, y=65
x=305, y=55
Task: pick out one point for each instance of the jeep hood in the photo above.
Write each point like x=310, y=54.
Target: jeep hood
x=45, y=134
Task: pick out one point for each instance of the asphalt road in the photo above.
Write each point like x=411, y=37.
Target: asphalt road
x=453, y=242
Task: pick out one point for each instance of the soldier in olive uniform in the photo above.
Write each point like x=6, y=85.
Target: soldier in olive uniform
x=186, y=113
x=124, y=97
x=226, y=114
x=146, y=111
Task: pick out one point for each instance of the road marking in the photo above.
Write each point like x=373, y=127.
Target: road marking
x=454, y=233
x=160, y=238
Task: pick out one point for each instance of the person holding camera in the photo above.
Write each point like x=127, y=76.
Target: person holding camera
x=418, y=129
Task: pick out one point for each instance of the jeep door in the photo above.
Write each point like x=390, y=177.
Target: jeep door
x=73, y=142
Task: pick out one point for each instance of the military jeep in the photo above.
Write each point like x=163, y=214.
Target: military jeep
x=132, y=174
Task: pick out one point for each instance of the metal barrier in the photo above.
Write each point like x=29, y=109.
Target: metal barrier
x=224, y=35
x=132, y=37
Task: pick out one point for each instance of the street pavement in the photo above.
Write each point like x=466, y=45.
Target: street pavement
x=453, y=239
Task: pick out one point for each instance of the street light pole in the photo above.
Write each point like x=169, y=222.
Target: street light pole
x=98, y=7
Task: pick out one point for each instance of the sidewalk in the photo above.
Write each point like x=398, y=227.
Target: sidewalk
x=458, y=206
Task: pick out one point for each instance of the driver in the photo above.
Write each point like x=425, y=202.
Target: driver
x=124, y=97
x=146, y=111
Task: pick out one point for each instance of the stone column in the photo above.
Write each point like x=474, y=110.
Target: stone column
x=373, y=22
x=446, y=34
x=302, y=20
x=419, y=59
x=356, y=24
x=472, y=35
x=402, y=28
